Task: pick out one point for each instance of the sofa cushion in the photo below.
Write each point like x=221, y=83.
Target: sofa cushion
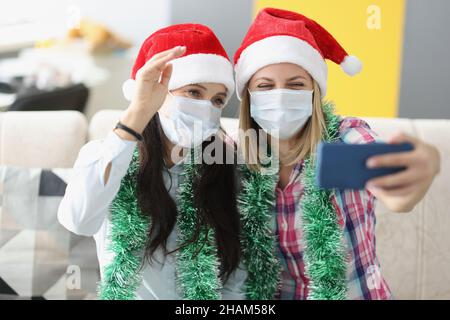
x=40, y=259
x=41, y=139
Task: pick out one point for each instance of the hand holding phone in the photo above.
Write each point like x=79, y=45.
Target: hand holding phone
x=343, y=166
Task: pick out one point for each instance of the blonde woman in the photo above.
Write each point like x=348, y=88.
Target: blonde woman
x=325, y=240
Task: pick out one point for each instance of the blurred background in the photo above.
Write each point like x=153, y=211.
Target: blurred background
x=62, y=65
x=84, y=50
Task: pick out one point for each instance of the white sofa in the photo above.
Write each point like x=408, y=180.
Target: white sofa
x=414, y=248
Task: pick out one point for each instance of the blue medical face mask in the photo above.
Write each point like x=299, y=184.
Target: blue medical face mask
x=281, y=112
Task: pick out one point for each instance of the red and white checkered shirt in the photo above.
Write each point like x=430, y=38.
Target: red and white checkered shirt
x=357, y=218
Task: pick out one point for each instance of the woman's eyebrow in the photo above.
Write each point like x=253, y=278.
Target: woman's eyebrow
x=222, y=94
x=296, y=77
x=264, y=78
x=199, y=86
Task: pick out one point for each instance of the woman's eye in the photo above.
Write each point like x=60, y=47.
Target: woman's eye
x=297, y=84
x=219, y=102
x=265, y=86
x=194, y=93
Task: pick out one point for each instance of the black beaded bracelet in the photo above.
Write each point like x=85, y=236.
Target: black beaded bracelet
x=120, y=125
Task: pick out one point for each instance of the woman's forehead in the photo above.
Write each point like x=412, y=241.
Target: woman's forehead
x=280, y=70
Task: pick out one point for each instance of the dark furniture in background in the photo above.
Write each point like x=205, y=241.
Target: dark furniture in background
x=70, y=98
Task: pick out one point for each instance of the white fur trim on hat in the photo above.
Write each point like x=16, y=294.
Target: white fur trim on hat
x=280, y=49
x=194, y=68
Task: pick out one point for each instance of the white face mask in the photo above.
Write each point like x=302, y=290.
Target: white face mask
x=190, y=121
x=281, y=112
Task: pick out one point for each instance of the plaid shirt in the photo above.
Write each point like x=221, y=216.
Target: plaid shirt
x=356, y=215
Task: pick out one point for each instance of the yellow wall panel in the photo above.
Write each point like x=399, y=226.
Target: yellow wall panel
x=375, y=91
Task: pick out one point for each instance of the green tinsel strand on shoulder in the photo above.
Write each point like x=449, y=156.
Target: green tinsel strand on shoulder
x=256, y=203
x=333, y=122
x=325, y=254
x=197, y=263
x=128, y=237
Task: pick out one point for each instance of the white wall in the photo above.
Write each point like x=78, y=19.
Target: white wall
x=229, y=19
x=135, y=19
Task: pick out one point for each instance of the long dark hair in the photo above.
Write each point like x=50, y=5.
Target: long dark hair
x=215, y=199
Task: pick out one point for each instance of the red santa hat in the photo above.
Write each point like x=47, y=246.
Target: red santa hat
x=279, y=36
x=205, y=59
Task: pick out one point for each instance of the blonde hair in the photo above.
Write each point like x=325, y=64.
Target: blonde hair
x=306, y=140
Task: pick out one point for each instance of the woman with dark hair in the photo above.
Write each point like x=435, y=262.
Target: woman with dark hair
x=166, y=227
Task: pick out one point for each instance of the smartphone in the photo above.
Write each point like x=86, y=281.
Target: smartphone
x=343, y=166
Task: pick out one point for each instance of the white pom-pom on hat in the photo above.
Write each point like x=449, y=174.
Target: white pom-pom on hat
x=128, y=89
x=351, y=65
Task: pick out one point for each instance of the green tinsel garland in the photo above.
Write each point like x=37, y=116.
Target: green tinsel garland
x=256, y=203
x=325, y=254
x=325, y=263
x=197, y=263
x=324, y=257
x=129, y=229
